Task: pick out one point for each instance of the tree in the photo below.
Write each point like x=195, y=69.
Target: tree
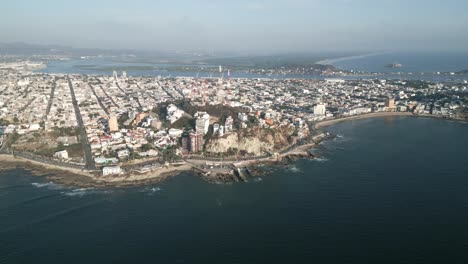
x=146, y=147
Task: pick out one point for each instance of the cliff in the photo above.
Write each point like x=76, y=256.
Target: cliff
x=255, y=141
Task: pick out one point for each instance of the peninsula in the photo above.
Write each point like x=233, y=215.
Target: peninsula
x=115, y=130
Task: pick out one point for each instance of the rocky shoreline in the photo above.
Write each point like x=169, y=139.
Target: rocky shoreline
x=87, y=179
x=234, y=172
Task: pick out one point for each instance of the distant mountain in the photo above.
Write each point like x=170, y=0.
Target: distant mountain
x=25, y=49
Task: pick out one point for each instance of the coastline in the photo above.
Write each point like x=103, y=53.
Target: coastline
x=78, y=178
x=346, y=58
x=83, y=178
x=327, y=123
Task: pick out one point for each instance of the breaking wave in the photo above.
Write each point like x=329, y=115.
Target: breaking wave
x=321, y=159
x=48, y=185
x=80, y=192
x=294, y=169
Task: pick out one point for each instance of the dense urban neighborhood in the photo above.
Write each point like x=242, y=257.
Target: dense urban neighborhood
x=119, y=124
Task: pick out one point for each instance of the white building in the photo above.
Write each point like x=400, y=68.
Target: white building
x=63, y=155
x=319, y=110
x=114, y=170
x=221, y=131
x=228, y=126
x=215, y=128
x=202, y=123
x=34, y=127
x=176, y=133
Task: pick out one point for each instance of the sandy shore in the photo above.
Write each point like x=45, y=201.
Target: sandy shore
x=327, y=123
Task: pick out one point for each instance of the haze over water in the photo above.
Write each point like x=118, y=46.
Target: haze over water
x=388, y=190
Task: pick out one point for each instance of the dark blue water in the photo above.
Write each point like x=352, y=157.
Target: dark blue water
x=366, y=64
x=412, y=62
x=390, y=190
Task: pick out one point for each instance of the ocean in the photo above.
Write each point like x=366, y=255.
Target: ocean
x=413, y=65
x=415, y=62
x=386, y=190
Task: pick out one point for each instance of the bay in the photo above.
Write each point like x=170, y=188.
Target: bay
x=387, y=190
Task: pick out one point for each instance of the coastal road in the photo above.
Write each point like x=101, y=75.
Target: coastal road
x=90, y=165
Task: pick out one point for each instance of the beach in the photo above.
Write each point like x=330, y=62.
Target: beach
x=331, y=122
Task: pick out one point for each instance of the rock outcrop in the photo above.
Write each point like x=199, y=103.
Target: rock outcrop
x=254, y=141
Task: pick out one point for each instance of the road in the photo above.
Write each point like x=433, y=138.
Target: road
x=122, y=90
x=98, y=99
x=3, y=148
x=90, y=165
x=110, y=98
x=51, y=98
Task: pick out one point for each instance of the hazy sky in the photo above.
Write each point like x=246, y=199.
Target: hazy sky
x=238, y=25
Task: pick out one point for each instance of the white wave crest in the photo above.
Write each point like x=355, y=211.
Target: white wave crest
x=80, y=192
x=321, y=159
x=294, y=169
x=48, y=185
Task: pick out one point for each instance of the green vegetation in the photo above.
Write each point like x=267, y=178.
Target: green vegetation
x=184, y=122
x=146, y=147
x=12, y=139
x=74, y=151
x=219, y=111
x=4, y=122
x=65, y=131
x=122, y=119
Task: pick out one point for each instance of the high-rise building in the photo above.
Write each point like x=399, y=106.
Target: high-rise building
x=202, y=123
x=228, y=125
x=113, y=124
x=185, y=144
x=390, y=104
x=319, y=110
x=196, y=142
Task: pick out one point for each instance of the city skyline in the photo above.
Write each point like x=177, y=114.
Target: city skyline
x=240, y=26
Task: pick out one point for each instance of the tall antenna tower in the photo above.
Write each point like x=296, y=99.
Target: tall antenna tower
x=220, y=74
x=229, y=80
